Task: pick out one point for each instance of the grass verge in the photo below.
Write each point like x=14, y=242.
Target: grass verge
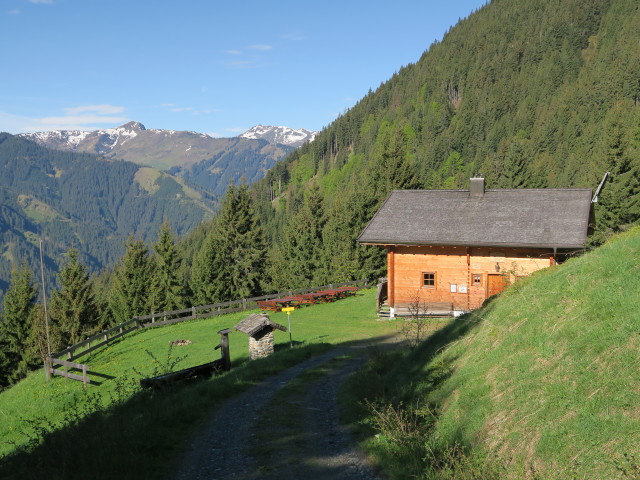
x=542, y=382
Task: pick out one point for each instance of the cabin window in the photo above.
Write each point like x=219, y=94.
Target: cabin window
x=477, y=279
x=429, y=279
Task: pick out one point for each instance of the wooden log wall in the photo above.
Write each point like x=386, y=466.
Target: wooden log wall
x=454, y=269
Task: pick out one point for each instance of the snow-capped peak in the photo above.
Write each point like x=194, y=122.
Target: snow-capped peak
x=283, y=135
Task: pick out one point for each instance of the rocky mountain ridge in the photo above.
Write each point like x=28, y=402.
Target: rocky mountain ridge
x=280, y=135
x=199, y=158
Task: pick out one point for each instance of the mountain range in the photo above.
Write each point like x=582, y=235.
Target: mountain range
x=91, y=190
x=280, y=135
x=199, y=158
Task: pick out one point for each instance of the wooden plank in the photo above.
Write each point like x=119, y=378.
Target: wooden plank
x=219, y=312
x=168, y=322
x=104, y=342
x=218, y=305
x=72, y=376
x=92, y=339
x=59, y=361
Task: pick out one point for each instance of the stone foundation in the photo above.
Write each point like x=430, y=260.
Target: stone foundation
x=261, y=345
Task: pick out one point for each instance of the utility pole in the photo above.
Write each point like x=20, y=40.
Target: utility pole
x=46, y=316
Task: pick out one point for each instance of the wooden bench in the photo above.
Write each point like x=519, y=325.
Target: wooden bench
x=268, y=305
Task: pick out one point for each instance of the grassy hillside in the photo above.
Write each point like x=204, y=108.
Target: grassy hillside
x=542, y=382
x=39, y=421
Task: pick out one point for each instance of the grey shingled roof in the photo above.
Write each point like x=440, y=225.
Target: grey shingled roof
x=505, y=218
x=256, y=322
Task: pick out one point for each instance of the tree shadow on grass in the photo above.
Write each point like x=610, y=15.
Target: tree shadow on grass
x=139, y=432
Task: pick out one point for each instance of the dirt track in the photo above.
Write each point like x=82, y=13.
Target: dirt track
x=258, y=446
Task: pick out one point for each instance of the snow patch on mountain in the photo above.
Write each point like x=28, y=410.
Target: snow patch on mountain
x=282, y=135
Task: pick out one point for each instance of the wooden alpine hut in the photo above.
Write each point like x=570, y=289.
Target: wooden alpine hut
x=453, y=249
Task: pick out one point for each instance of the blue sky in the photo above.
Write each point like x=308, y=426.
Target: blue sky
x=204, y=65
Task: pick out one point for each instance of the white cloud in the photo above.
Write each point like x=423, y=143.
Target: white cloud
x=95, y=109
x=181, y=109
x=90, y=117
x=295, y=36
x=233, y=52
x=15, y=11
x=241, y=64
x=260, y=47
x=75, y=122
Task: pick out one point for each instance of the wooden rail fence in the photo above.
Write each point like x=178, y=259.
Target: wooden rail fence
x=166, y=318
x=51, y=370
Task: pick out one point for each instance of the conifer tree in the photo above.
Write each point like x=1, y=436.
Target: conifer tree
x=303, y=242
x=231, y=262
x=167, y=290
x=15, y=329
x=132, y=282
x=619, y=204
x=74, y=311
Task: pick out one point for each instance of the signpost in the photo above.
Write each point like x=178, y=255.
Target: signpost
x=289, y=310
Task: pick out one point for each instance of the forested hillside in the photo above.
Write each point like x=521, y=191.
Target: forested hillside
x=79, y=200
x=527, y=93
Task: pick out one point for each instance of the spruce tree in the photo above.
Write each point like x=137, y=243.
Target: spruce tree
x=19, y=305
x=303, y=242
x=132, y=282
x=74, y=310
x=167, y=290
x=231, y=262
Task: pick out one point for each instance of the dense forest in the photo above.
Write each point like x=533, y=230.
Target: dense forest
x=80, y=200
x=528, y=94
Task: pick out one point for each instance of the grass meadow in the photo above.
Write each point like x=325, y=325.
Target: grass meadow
x=116, y=430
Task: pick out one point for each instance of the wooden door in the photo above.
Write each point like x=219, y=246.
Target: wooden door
x=495, y=284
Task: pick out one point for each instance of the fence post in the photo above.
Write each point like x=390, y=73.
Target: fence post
x=244, y=303
x=85, y=378
x=193, y=312
x=47, y=368
x=224, y=349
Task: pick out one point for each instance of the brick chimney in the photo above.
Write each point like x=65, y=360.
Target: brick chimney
x=476, y=187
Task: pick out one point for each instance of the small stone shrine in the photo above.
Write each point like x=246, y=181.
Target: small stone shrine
x=260, y=330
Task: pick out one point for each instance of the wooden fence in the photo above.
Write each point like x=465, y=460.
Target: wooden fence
x=165, y=318
x=51, y=370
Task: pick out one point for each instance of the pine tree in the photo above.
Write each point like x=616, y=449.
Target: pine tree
x=19, y=305
x=74, y=310
x=231, y=262
x=132, y=283
x=167, y=290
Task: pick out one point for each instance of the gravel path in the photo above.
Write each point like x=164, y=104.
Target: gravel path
x=324, y=451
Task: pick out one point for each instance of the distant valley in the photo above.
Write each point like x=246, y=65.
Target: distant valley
x=208, y=162
x=91, y=190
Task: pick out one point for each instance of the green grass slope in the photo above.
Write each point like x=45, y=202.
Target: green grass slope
x=114, y=430
x=542, y=382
